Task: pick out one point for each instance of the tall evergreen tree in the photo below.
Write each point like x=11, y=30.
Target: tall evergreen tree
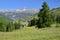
x=44, y=16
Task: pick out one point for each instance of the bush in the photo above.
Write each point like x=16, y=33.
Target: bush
x=33, y=22
x=17, y=25
x=57, y=25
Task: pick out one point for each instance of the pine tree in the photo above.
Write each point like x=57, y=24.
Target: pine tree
x=44, y=16
x=10, y=27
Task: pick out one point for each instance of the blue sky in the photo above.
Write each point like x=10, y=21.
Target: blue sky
x=19, y=4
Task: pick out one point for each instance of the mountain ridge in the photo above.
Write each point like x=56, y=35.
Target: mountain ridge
x=20, y=13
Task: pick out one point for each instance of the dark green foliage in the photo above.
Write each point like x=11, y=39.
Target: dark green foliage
x=57, y=25
x=44, y=17
x=2, y=27
x=17, y=25
x=58, y=19
x=13, y=26
x=10, y=27
x=3, y=23
x=32, y=22
x=56, y=14
x=7, y=26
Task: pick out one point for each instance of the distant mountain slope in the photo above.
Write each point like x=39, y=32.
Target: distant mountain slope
x=55, y=11
x=16, y=14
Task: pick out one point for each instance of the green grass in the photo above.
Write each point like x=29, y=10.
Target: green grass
x=31, y=33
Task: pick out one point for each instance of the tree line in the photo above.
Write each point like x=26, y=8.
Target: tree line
x=9, y=27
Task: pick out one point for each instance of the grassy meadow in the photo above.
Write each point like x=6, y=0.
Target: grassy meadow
x=32, y=33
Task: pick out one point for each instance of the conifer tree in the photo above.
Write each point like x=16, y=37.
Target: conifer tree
x=44, y=16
